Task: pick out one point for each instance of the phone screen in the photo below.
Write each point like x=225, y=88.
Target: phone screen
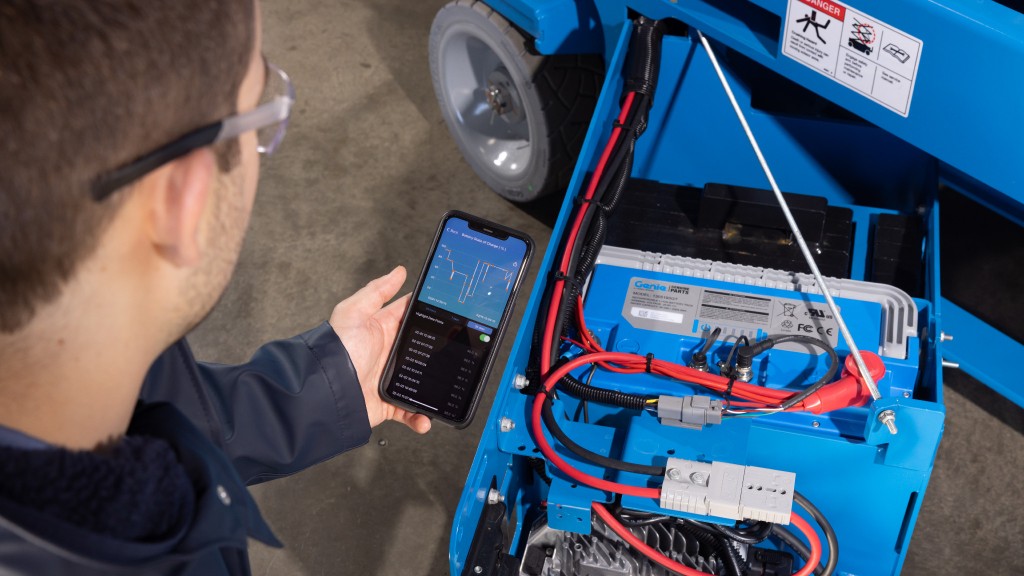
x=455, y=318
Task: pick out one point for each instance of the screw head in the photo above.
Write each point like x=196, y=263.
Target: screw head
x=675, y=474
x=698, y=478
x=815, y=424
x=478, y=570
x=888, y=417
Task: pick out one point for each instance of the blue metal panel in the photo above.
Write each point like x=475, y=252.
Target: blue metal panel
x=698, y=139
x=557, y=26
x=982, y=351
x=969, y=80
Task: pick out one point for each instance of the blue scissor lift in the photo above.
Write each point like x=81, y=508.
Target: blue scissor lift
x=958, y=130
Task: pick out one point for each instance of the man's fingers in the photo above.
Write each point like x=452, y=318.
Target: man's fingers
x=370, y=298
x=391, y=316
x=416, y=422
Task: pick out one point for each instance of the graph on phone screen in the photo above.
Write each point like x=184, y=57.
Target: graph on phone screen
x=472, y=274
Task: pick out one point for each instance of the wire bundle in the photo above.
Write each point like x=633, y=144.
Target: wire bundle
x=564, y=303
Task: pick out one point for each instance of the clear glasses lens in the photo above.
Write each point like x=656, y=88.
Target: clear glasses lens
x=278, y=86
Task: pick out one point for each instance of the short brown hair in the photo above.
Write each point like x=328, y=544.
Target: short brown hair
x=86, y=87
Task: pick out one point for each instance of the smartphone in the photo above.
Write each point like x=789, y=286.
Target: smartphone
x=460, y=308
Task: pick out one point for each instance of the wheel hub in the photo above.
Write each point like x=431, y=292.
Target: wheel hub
x=502, y=96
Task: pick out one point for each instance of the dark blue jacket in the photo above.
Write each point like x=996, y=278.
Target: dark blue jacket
x=297, y=402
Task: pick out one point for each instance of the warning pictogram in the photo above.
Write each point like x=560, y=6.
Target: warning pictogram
x=812, y=20
x=854, y=49
x=862, y=38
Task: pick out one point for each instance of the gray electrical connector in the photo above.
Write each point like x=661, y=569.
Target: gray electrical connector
x=689, y=411
x=728, y=490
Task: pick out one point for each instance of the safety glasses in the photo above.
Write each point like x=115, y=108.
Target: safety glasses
x=269, y=119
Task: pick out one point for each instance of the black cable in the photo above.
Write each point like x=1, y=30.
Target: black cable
x=583, y=237
x=700, y=357
x=712, y=338
x=552, y=424
x=538, y=466
x=833, y=367
x=747, y=353
x=715, y=542
x=733, y=352
x=647, y=521
x=734, y=561
x=750, y=537
x=797, y=545
x=832, y=542
x=590, y=236
x=602, y=395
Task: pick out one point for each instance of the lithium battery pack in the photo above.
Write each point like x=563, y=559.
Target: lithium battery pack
x=649, y=303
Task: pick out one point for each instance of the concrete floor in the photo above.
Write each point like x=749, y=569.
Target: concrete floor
x=366, y=170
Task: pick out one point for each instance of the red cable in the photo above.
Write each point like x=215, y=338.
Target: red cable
x=669, y=564
x=638, y=545
x=718, y=383
x=555, y=459
x=631, y=363
x=556, y=292
x=812, y=538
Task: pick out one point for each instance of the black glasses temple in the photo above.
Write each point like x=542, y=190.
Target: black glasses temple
x=106, y=184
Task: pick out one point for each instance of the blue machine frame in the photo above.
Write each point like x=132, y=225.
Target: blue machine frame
x=694, y=138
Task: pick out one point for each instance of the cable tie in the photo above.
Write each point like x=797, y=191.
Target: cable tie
x=728, y=389
x=650, y=358
x=560, y=276
x=599, y=205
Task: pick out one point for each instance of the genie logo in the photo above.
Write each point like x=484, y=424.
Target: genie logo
x=647, y=286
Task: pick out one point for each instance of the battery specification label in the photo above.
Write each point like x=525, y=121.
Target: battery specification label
x=691, y=310
x=854, y=49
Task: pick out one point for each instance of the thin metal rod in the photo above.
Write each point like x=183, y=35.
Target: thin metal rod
x=868, y=380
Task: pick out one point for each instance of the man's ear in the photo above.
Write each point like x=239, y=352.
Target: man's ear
x=179, y=201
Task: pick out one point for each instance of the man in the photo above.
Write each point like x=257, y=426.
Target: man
x=131, y=139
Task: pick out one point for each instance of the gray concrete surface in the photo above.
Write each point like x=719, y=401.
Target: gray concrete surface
x=366, y=170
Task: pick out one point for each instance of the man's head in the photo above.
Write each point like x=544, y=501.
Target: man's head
x=88, y=87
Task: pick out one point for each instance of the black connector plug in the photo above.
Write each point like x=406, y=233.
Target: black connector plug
x=745, y=354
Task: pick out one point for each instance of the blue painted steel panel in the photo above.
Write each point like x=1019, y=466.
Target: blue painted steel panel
x=557, y=26
x=972, y=350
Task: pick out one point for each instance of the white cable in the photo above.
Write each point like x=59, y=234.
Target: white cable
x=868, y=380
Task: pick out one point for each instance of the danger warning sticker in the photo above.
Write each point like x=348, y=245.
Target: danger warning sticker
x=854, y=49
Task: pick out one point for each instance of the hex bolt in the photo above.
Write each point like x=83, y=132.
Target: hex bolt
x=888, y=417
x=943, y=337
x=506, y=424
x=493, y=496
x=698, y=478
x=675, y=474
x=520, y=382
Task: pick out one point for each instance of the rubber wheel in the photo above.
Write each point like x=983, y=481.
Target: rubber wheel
x=518, y=118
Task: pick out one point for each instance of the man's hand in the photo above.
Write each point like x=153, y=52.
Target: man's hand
x=367, y=329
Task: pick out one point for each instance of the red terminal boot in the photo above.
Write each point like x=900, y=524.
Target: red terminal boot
x=850, y=390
